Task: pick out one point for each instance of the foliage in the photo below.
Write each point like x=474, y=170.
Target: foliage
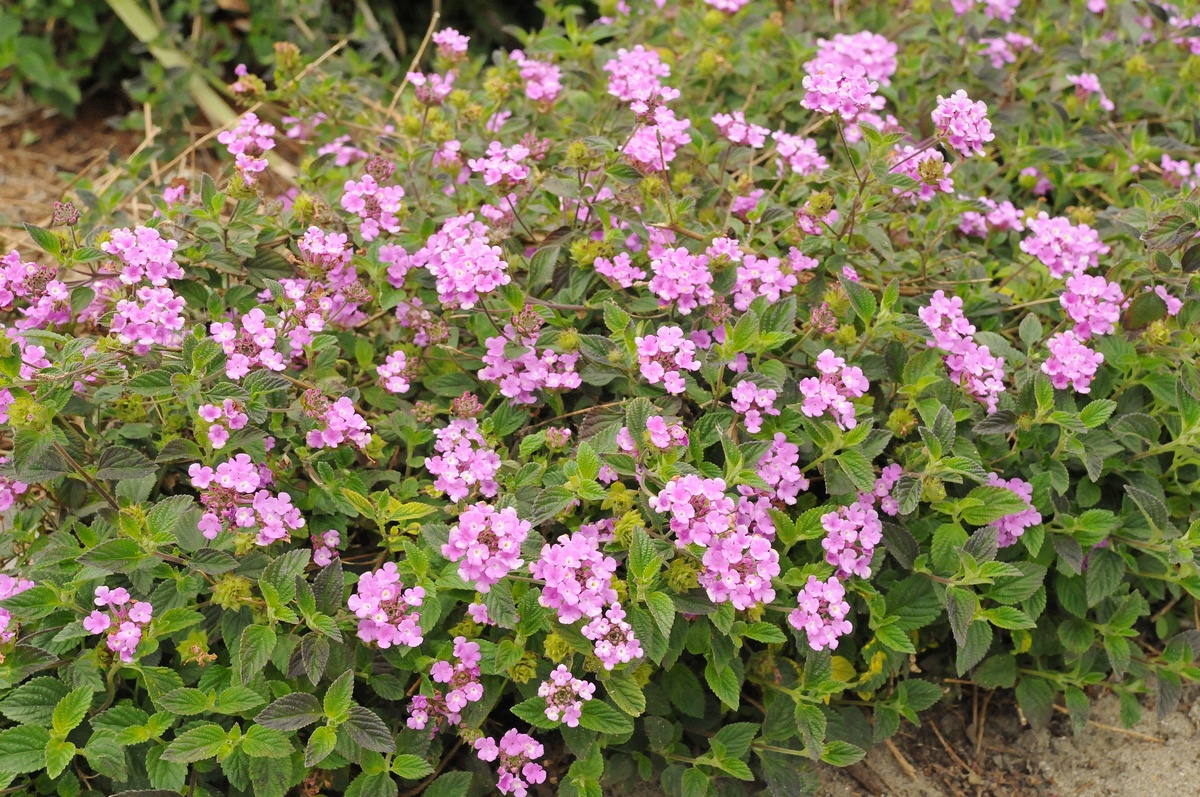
x=620, y=438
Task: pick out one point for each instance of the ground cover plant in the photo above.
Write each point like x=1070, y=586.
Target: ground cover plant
x=683, y=397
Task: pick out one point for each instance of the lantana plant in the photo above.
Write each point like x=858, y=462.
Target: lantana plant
x=689, y=396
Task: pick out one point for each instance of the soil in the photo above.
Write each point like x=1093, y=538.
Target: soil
x=1157, y=758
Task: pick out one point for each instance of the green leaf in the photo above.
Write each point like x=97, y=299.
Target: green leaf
x=600, y=717
x=23, y=749
x=626, y=693
x=589, y=462
x=120, y=462
x=533, y=711
x=861, y=298
x=184, y=701
x=291, y=712
x=541, y=267
x=842, y=754
x=320, y=745
x=450, y=784
x=411, y=767
x=33, y=703
x=725, y=684
x=368, y=730
x=59, y=754
x=1036, y=699
x=112, y=556
x=987, y=504
x=919, y=695
x=1106, y=571
x=50, y=243
x=1031, y=330
x=263, y=742
x=1097, y=412
x=979, y=639
x=548, y=503
x=238, y=699
x=616, y=319
x=197, y=744
x=894, y=637
x=694, y=783
x=765, y=632
x=662, y=609
x=339, y=697
x=254, y=651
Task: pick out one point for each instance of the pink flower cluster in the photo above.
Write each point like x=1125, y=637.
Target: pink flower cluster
x=779, y=468
x=655, y=143
x=1173, y=304
x=963, y=123
x=698, y=507
x=909, y=161
x=1087, y=84
x=462, y=261
x=577, y=575
x=736, y=130
x=337, y=422
x=1000, y=217
x=393, y=374
x=145, y=255
x=634, y=76
x=325, y=547
x=971, y=365
x=882, y=491
x=231, y=412
x=518, y=767
x=9, y=490
x=1071, y=362
x=836, y=89
x=565, y=695
x=386, y=611
x=463, y=687
x=48, y=298
x=543, y=81
x=799, y=154
x=252, y=345
x=124, y=625
x=619, y=270
x=1063, y=247
x=375, y=205
x=432, y=89
x=155, y=318
x=874, y=53
x=1093, y=303
x=763, y=276
x=249, y=143
x=1011, y=527
x=488, y=543
x=450, y=43
x=10, y=586
x=739, y=566
x=613, y=638
x=664, y=357
x=1003, y=50
x=852, y=532
x=1179, y=173
x=832, y=390
x=463, y=461
x=501, y=166
x=660, y=434
x=231, y=498
x=821, y=612
x=521, y=376
x=681, y=278
x=1002, y=10
x=751, y=402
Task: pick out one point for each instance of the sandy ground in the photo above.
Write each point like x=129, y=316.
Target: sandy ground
x=1020, y=762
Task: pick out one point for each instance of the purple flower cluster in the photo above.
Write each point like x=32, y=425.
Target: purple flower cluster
x=154, y=317
x=663, y=357
x=971, y=365
x=145, y=256
x=462, y=261
x=656, y=142
x=488, y=543
x=325, y=547
x=832, y=390
x=565, y=695
x=48, y=297
x=386, y=611
x=1003, y=50
x=250, y=346
x=1002, y=10
x=779, y=468
x=882, y=492
x=9, y=489
x=613, y=638
x=931, y=178
x=619, y=270
x=762, y=276
x=249, y=143
x=962, y=123
x=577, y=575
x=660, y=434
x=634, y=76
x=852, y=532
x=518, y=767
x=681, y=279
x=124, y=625
x=1063, y=247
x=739, y=565
x=463, y=461
x=522, y=375
x=1000, y=217
x=874, y=53
x=1071, y=362
x=451, y=44
x=799, y=154
x=1093, y=303
x=1087, y=84
x=501, y=166
x=337, y=422
x=736, y=130
x=463, y=687
x=698, y=507
x=393, y=374
x=231, y=498
x=1011, y=527
x=832, y=88
x=821, y=611
x=375, y=205
x=10, y=586
x=543, y=81
x=751, y=402
x=231, y=412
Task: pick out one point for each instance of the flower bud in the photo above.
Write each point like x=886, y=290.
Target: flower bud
x=231, y=591
x=556, y=648
x=933, y=490
x=568, y=339
x=819, y=204
x=682, y=575
x=901, y=422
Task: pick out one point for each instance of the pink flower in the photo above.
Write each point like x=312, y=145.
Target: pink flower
x=1011, y=527
x=1087, y=84
x=578, y=577
x=619, y=270
x=737, y=130
x=655, y=143
x=835, y=89
x=565, y=695
x=963, y=123
x=487, y=542
x=682, y=279
x=613, y=638
x=663, y=357
x=832, y=390
x=852, y=532
x=821, y=611
x=874, y=53
x=542, y=80
x=1063, y=247
x=450, y=43
x=1071, y=362
x=463, y=461
x=462, y=261
x=386, y=610
x=249, y=142
x=798, y=154
x=518, y=768
x=1093, y=303
x=393, y=373
x=530, y=371
x=971, y=365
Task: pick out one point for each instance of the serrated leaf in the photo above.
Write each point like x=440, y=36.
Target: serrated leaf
x=291, y=712
x=197, y=744
x=254, y=651
x=600, y=717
